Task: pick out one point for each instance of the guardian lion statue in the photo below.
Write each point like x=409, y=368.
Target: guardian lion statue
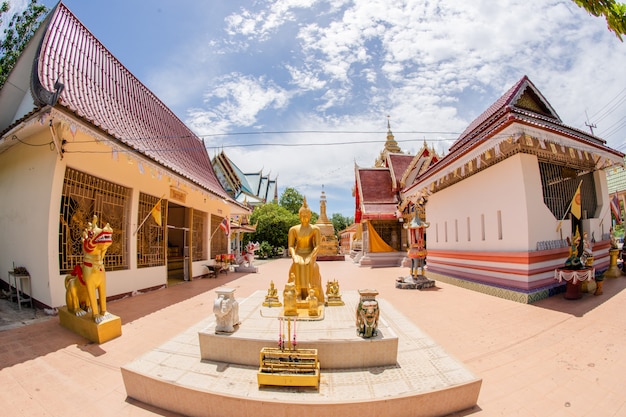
x=85, y=287
x=248, y=257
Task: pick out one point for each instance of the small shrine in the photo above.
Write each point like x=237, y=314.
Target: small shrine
x=578, y=267
x=416, y=254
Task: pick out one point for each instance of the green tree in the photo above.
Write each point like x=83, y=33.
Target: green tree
x=20, y=30
x=272, y=224
x=340, y=222
x=613, y=12
x=291, y=199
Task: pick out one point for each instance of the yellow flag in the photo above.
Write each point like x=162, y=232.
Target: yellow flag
x=576, y=209
x=156, y=213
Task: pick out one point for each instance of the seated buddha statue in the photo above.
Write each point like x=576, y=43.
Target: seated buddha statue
x=303, y=243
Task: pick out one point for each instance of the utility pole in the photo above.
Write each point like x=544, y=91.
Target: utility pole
x=591, y=126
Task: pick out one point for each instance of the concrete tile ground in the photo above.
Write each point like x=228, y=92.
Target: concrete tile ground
x=556, y=357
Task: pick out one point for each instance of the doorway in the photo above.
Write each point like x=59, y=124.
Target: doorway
x=178, y=241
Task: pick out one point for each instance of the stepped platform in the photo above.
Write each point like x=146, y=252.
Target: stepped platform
x=400, y=373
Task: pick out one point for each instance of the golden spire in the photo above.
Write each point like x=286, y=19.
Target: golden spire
x=391, y=145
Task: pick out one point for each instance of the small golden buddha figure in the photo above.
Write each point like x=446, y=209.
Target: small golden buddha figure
x=289, y=299
x=313, y=303
x=271, y=298
x=333, y=295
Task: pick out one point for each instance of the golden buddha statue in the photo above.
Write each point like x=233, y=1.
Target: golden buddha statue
x=303, y=242
x=271, y=298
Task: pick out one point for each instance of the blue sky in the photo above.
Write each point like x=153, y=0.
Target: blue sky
x=269, y=81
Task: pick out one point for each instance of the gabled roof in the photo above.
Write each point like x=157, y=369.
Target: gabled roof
x=377, y=198
x=99, y=89
x=398, y=163
x=420, y=163
x=253, y=188
x=523, y=105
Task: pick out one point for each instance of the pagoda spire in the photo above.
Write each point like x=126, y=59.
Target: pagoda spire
x=391, y=145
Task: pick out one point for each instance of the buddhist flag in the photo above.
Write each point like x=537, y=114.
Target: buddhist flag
x=616, y=209
x=576, y=208
x=225, y=226
x=156, y=213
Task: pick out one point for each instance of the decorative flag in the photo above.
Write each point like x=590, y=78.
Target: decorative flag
x=156, y=213
x=576, y=209
x=616, y=209
x=225, y=226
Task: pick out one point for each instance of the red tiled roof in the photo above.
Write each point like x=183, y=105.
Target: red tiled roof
x=398, y=163
x=505, y=111
x=379, y=212
x=377, y=199
x=99, y=89
x=497, y=107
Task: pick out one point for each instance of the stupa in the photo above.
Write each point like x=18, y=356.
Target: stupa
x=329, y=248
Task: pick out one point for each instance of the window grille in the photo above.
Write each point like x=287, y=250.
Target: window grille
x=150, y=237
x=219, y=240
x=83, y=197
x=197, y=237
x=559, y=184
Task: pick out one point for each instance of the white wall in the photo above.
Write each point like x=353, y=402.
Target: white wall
x=497, y=191
x=25, y=195
x=31, y=184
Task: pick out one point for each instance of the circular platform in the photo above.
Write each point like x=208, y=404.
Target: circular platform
x=422, y=381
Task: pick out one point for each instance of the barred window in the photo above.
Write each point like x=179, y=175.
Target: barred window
x=83, y=197
x=197, y=236
x=150, y=237
x=559, y=184
x=219, y=240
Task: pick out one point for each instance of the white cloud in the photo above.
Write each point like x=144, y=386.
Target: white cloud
x=345, y=65
x=236, y=100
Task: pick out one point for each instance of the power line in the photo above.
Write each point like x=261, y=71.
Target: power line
x=342, y=132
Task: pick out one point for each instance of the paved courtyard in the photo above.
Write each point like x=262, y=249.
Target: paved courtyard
x=556, y=357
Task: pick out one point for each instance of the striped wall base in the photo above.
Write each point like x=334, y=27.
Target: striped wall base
x=517, y=295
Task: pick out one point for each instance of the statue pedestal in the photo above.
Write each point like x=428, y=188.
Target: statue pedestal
x=251, y=269
x=414, y=283
x=107, y=330
x=613, y=271
x=573, y=280
x=573, y=291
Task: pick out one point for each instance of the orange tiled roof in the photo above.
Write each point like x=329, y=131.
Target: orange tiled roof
x=102, y=91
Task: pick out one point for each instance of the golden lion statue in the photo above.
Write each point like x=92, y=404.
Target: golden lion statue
x=87, y=278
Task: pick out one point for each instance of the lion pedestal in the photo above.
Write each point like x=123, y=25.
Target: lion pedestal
x=85, y=290
x=106, y=330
